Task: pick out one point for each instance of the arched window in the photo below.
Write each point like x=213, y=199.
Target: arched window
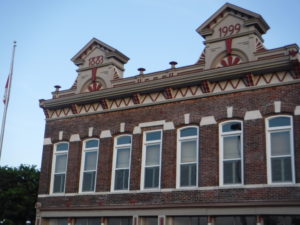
x=151, y=163
x=280, y=149
x=89, y=163
x=187, y=157
x=231, y=153
x=121, y=163
x=59, y=167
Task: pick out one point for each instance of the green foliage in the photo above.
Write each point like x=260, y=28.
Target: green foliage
x=18, y=193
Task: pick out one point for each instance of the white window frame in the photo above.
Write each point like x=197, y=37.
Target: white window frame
x=178, y=167
x=270, y=130
x=115, y=154
x=56, y=153
x=145, y=143
x=221, y=150
x=84, y=150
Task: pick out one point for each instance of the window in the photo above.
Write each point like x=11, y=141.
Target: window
x=149, y=220
x=190, y=220
x=88, y=221
x=59, y=167
x=89, y=165
x=280, y=149
x=121, y=163
x=231, y=153
x=235, y=220
x=151, y=159
x=281, y=220
x=58, y=221
x=120, y=221
x=187, y=157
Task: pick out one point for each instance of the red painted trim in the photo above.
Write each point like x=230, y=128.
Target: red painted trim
x=228, y=42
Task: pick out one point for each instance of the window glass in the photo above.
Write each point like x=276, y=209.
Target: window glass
x=191, y=131
x=61, y=163
x=232, y=147
x=235, y=220
x=88, y=183
x=190, y=220
x=282, y=220
x=280, y=121
x=122, y=163
x=62, y=147
x=188, y=151
x=281, y=169
x=58, y=222
x=120, y=221
x=123, y=155
x=152, y=155
x=232, y=172
x=90, y=160
x=150, y=220
x=121, y=179
x=92, y=144
x=59, y=183
x=153, y=136
x=188, y=175
x=87, y=221
x=280, y=143
x=280, y=149
x=151, y=177
x=124, y=140
x=231, y=126
x=59, y=167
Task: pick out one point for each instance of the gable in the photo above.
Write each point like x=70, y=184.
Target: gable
x=232, y=21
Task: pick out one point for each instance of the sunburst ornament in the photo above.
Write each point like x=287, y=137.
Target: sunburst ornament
x=229, y=60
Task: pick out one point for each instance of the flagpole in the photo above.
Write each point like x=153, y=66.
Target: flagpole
x=7, y=94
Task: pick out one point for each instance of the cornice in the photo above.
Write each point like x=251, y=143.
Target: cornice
x=282, y=63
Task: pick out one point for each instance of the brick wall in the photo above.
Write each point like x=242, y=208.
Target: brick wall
x=254, y=149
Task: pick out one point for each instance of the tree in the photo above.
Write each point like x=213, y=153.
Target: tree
x=18, y=193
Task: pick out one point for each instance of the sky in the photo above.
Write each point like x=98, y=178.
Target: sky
x=150, y=32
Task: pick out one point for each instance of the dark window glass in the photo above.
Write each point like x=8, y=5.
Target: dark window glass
x=231, y=126
x=58, y=221
x=151, y=177
x=59, y=183
x=281, y=220
x=88, y=183
x=150, y=220
x=281, y=169
x=153, y=136
x=62, y=147
x=121, y=179
x=280, y=121
x=120, y=221
x=124, y=140
x=190, y=131
x=87, y=221
x=92, y=144
x=232, y=172
x=235, y=220
x=190, y=220
x=188, y=175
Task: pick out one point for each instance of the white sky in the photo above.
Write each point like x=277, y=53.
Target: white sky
x=150, y=32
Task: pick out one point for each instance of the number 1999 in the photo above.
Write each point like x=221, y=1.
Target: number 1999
x=229, y=30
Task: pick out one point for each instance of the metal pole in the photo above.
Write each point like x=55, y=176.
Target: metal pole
x=7, y=96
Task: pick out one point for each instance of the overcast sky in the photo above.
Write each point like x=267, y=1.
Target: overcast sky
x=150, y=32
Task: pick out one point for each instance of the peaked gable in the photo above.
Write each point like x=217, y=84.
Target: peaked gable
x=219, y=26
x=109, y=52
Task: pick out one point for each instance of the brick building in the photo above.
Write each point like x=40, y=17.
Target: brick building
x=216, y=142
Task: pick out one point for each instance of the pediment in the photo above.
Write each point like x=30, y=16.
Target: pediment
x=230, y=21
x=95, y=52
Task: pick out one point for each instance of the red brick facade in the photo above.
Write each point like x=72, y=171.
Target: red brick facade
x=209, y=197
